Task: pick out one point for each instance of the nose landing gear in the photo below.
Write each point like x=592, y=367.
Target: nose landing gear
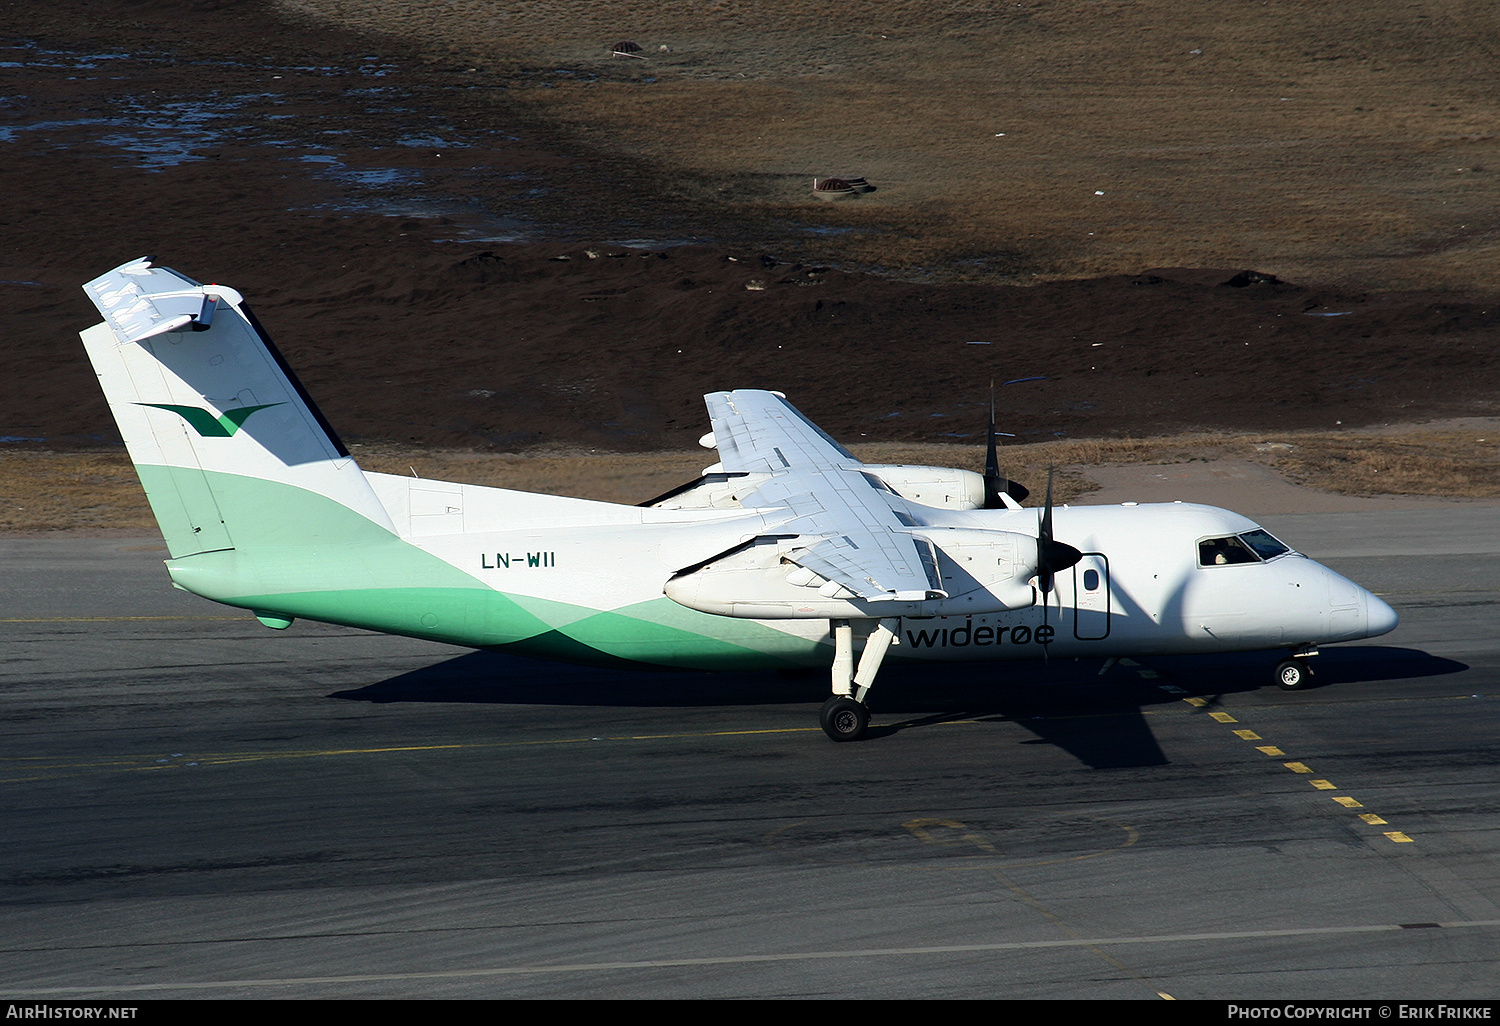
x=1294, y=674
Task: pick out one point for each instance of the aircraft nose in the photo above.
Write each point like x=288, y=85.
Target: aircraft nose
x=1380, y=618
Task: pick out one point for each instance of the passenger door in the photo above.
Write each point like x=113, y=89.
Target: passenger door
x=1091, y=602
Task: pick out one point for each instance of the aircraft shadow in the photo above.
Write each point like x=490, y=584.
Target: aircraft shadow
x=1099, y=719
x=499, y=678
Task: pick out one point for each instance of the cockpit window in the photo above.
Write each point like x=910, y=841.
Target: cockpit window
x=1222, y=551
x=1263, y=544
x=1250, y=547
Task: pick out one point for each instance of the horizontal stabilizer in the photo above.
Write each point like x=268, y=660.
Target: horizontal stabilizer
x=139, y=301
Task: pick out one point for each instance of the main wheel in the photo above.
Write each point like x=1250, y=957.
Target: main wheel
x=1292, y=675
x=844, y=719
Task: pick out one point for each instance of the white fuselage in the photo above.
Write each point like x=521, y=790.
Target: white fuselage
x=1139, y=588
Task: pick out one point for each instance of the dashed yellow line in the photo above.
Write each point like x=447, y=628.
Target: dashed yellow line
x=1302, y=768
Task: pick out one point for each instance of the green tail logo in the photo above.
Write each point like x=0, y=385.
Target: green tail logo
x=206, y=424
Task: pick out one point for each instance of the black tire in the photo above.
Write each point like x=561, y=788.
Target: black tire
x=844, y=719
x=1292, y=675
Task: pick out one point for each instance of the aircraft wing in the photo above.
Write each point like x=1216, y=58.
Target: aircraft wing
x=760, y=432
x=846, y=528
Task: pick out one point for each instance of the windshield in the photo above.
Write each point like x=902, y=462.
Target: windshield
x=1263, y=544
x=1222, y=551
x=1250, y=547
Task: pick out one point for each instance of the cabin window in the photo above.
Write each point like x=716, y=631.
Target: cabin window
x=1091, y=580
x=1263, y=544
x=1222, y=551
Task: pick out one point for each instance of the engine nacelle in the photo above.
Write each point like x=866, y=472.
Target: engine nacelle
x=714, y=490
x=943, y=487
x=984, y=571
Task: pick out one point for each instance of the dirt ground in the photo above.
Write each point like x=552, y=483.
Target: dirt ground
x=471, y=228
x=1332, y=143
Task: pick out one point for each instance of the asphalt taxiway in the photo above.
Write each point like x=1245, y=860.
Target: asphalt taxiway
x=194, y=805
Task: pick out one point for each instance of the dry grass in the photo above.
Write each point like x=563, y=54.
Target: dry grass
x=1455, y=464
x=1445, y=463
x=47, y=491
x=622, y=477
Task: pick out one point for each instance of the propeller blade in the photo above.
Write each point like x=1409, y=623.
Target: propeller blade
x=1043, y=544
x=1044, y=541
x=996, y=483
x=1051, y=554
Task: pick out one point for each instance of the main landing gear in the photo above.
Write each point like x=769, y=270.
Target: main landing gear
x=1294, y=674
x=844, y=717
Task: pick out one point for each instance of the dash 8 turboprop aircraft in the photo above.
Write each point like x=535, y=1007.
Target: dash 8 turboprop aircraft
x=788, y=552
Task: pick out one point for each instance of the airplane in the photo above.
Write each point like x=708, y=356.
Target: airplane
x=788, y=552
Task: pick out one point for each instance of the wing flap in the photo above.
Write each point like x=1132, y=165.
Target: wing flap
x=905, y=571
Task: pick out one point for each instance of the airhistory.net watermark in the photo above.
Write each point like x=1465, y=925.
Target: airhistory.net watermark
x=38, y=1011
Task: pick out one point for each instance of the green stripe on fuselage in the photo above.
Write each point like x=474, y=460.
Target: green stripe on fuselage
x=302, y=554
x=653, y=632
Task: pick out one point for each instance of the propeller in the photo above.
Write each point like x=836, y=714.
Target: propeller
x=995, y=483
x=1051, y=554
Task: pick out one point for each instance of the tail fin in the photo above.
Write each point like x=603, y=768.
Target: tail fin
x=229, y=448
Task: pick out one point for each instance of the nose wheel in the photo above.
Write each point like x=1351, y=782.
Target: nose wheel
x=1292, y=675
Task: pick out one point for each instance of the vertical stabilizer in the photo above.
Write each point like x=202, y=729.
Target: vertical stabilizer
x=230, y=450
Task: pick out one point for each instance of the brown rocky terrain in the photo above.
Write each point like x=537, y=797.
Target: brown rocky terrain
x=469, y=226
